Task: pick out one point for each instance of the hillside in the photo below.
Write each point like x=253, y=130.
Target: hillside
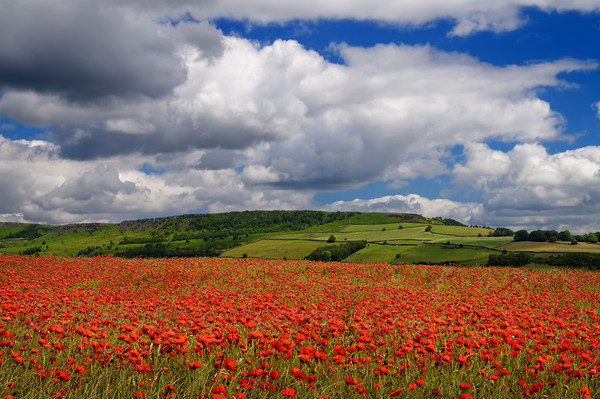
x=383, y=237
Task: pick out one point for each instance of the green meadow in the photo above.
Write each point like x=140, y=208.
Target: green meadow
x=274, y=249
x=387, y=237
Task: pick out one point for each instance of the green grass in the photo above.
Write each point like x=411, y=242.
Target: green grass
x=439, y=253
x=460, y=230
x=379, y=227
x=7, y=229
x=265, y=241
x=487, y=242
x=377, y=253
x=383, y=218
x=428, y=236
x=379, y=235
x=68, y=244
x=303, y=236
x=331, y=227
x=275, y=249
x=562, y=246
x=407, y=241
x=368, y=221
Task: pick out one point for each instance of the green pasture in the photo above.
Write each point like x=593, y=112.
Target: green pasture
x=460, y=230
x=487, y=242
x=70, y=243
x=274, y=249
x=428, y=236
x=331, y=227
x=234, y=235
x=320, y=236
x=7, y=229
x=367, y=221
x=379, y=227
x=380, y=235
x=559, y=246
x=390, y=231
x=439, y=253
x=377, y=253
x=407, y=241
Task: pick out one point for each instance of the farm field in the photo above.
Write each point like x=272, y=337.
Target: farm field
x=440, y=253
x=375, y=253
x=532, y=246
x=274, y=249
x=106, y=327
x=486, y=242
x=417, y=233
x=290, y=235
x=381, y=226
x=460, y=230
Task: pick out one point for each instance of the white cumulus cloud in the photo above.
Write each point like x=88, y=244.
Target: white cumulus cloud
x=528, y=187
x=464, y=212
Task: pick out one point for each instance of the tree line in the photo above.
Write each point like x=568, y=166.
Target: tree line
x=553, y=236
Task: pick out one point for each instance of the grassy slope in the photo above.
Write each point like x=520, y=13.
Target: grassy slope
x=377, y=253
x=409, y=244
x=440, y=253
x=563, y=246
x=487, y=242
x=363, y=234
x=406, y=245
x=461, y=230
x=379, y=227
x=274, y=249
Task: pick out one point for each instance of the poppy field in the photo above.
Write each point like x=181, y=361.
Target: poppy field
x=107, y=327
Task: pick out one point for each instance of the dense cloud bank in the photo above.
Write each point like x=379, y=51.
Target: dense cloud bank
x=149, y=113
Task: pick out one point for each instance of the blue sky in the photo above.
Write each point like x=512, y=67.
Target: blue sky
x=486, y=113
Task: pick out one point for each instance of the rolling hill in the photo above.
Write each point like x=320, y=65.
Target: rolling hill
x=387, y=237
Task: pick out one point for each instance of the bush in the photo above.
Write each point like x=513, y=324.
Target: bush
x=31, y=251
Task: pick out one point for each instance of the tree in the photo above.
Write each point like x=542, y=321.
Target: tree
x=538, y=235
x=552, y=235
x=565, y=236
x=521, y=235
x=331, y=238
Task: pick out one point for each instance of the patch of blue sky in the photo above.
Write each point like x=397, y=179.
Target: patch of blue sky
x=544, y=37
x=150, y=169
x=320, y=35
x=14, y=130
